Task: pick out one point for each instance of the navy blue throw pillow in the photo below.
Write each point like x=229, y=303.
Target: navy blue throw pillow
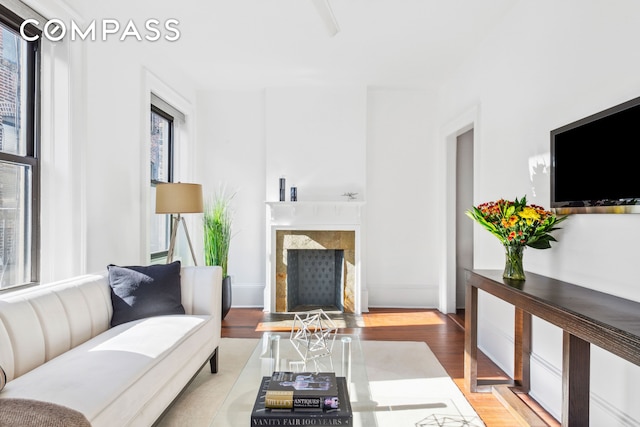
x=138, y=292
x=3, y=378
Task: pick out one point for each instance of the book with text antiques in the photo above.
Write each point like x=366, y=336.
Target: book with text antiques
x=302, y=390
x=340, y=416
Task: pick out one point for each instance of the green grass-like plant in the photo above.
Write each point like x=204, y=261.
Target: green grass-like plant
x=217, y=231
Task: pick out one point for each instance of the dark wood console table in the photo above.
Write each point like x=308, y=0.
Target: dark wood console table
x=585, y=316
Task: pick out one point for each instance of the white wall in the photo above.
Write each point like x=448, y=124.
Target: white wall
x=232, y=157
x=95, y=142
x=117, y=151
x=315, y=137
x=328, y=140
x=63, y=133
x=402, y=257
x=548, y=64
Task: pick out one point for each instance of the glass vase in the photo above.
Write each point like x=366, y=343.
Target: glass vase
x=513, y=269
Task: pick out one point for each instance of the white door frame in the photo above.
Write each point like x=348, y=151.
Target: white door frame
x=447, y=201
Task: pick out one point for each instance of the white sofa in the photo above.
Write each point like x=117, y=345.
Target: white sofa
x=57, y=346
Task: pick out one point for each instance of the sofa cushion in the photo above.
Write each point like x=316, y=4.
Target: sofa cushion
x=138, y=292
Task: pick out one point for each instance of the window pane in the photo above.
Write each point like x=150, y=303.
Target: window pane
x=160, y=136
x=13, y=92
x=159, y=227
x=15, y=220
x=161, y=162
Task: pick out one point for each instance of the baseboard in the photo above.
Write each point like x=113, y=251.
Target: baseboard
x=520, y=410
x=407, y=296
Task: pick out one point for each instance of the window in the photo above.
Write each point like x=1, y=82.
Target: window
x=161, y=171
x=19, y=164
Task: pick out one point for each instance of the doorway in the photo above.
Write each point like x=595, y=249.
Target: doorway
x=464, y=201
x=452, y=207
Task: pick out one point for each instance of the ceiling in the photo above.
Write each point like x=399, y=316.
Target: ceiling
x=258, y=43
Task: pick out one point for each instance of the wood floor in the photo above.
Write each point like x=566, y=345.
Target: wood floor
x=443, y=334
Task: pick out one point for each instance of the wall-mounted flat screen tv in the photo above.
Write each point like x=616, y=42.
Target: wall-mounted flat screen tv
x=595, y=163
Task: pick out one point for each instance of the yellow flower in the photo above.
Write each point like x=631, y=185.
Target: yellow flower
x=529, y=214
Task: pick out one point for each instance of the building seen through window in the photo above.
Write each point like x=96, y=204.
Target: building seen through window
x=161, y=171
x=18, y=160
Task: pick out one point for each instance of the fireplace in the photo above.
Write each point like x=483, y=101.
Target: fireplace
x=315, y=279
x=318, y=244
x=322, y=235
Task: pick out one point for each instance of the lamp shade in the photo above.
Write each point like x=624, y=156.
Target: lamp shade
x=179, y=198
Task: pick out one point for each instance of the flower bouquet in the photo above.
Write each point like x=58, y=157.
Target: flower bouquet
x=517, y=225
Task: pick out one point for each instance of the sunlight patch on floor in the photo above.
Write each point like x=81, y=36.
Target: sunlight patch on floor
x=422, y=399
x=286, y=325
x=418, y=318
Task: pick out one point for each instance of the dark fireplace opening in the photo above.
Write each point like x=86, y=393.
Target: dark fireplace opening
x=315, y=279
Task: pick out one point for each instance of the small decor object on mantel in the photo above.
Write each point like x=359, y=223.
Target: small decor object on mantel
x=517, y=225
x=283, y=186
x=350, y=196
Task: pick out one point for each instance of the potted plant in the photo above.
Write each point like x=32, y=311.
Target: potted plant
x=217, y=238
x=517, y=225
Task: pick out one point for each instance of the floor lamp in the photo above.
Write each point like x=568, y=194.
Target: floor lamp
x=177, y=199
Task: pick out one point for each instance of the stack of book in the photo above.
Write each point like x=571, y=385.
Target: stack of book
x=302, y=398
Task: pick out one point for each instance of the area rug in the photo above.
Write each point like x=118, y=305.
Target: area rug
x=408, y=387
x=199, y=402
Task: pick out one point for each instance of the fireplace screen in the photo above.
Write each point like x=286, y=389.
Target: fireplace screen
x=315, y=279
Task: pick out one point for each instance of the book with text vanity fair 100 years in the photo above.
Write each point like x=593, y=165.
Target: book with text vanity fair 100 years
x=340, y=416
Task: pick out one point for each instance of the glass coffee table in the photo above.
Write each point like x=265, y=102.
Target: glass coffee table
x=276, y=352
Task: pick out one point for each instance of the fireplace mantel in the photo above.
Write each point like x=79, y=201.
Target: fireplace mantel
x=316, y=212
x=314, y=216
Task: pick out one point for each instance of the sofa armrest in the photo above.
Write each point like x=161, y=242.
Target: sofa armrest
x=202, y=290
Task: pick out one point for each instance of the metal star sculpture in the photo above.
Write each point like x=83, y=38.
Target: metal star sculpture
x=313, y=335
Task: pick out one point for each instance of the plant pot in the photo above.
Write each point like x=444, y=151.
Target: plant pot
x=226, y=296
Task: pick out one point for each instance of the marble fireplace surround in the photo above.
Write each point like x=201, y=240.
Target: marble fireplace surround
x=313, y=225
x=315, y=239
